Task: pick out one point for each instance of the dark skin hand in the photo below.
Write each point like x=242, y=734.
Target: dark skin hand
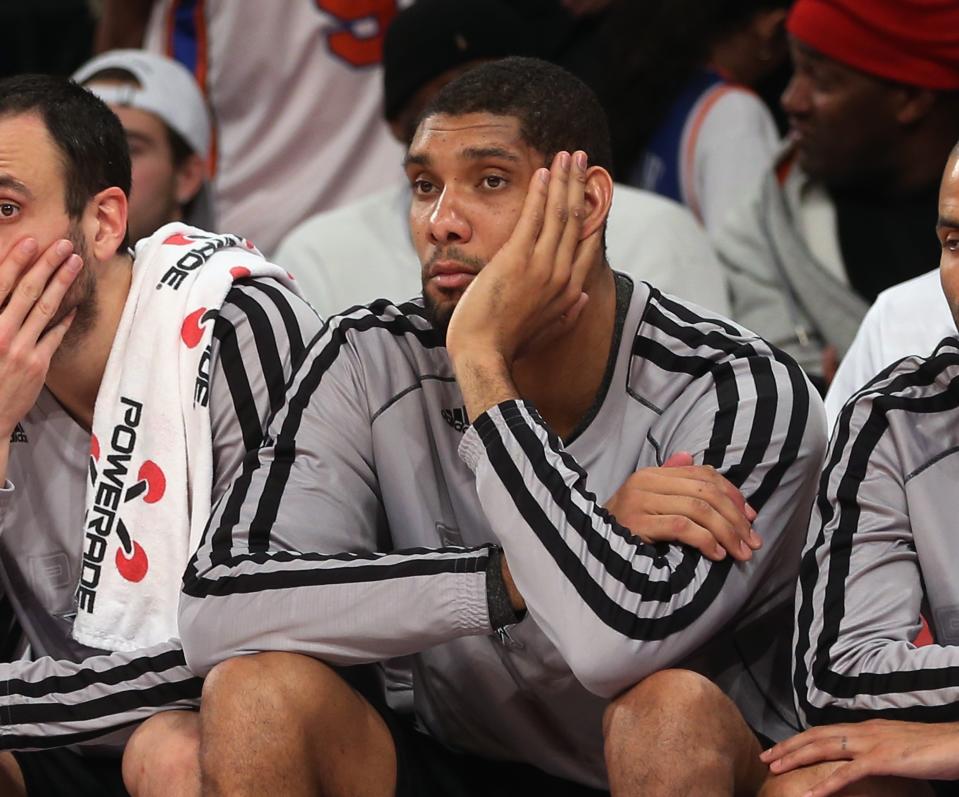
x=678, y=502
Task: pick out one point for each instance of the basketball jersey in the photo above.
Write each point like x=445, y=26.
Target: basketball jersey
x=295, y=87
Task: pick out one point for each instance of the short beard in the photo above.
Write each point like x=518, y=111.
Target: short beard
x=440, y=315
x=80, y=296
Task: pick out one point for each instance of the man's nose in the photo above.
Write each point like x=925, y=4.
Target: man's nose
x=447, y=221
x=795, y=98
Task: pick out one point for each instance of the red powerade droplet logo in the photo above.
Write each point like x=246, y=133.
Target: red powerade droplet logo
x=131, y=560
x=191, y=331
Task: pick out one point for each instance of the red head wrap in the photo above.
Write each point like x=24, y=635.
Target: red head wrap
x=909, y=41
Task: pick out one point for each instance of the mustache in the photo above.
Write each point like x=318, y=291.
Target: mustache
x=453, y=253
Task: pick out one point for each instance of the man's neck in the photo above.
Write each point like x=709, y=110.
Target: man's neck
x=563, y=378
x=77, y=369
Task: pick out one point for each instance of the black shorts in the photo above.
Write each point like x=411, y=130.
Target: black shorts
x=52, y=773
x=425, y=768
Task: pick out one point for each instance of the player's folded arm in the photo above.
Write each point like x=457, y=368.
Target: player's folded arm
x=616, y=608
x=289, y=560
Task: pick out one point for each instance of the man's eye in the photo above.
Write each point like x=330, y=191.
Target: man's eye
x=493, y=181
x=8, y=210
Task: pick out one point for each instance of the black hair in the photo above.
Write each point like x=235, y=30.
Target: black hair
x=650, y=51
x=90, y=138
x=556, y=110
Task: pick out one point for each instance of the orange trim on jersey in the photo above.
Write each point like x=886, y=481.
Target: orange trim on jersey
x=785, y=166
x=689, y=153
x=202, y=72
x=199, y=19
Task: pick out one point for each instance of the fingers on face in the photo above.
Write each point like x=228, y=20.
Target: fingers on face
x=13, y=265
x=36, y=274
x=46, y=307
x=531, y=218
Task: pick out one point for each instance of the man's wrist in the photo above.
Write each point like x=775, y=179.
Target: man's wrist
x=506, y=607
x=484, y=379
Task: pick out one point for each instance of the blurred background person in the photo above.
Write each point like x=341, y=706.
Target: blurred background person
x=874, y=111
x=675, y=77
x=167, y=125
x=295, y=89
x=361, y=252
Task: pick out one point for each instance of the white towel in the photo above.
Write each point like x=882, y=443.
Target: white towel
x=151, y=453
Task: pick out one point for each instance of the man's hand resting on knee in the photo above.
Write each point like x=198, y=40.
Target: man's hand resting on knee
x=915, y=750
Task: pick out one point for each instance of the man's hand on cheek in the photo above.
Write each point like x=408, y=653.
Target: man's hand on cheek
x=529, y=289
x=32, y=285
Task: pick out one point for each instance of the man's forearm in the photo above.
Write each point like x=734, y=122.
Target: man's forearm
x=485, y=381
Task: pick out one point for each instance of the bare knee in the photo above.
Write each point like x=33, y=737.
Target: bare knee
x=684, y=693
x=676, y=732
x=162, y=756
x=280, y=683
x=11, y=778
x=290, y=723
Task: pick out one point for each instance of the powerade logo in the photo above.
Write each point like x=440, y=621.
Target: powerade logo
x=203, y=248
x=131, y=560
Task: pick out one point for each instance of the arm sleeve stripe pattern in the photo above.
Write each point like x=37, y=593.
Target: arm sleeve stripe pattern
x=264, y=336
x=27, y=742
x=231, y=360
x=109, y=705
x=692, y=337
x=320, y=356
x=93, y=698
x=624, y=620
x=851, y=455
x=65, y=684
x=685, y=314
x=282, y=303
x=251, y=297
x=313, y=570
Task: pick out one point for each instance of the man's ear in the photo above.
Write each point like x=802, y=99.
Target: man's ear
x=598, y=193
x=189, y=178
x=107, y=222
x=913, y=103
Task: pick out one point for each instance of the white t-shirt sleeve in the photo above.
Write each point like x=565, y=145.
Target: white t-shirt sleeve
x=862, y=362
x=734, y=145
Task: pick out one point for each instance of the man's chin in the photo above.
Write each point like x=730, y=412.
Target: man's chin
x=439, y=307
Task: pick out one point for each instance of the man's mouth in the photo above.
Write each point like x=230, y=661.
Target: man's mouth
x=450, y=275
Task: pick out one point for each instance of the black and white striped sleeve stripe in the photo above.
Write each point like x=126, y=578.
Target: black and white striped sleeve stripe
x=616, y=608
x=260, y=336
x=861, y=585
x=48, y=703
x=301, y=526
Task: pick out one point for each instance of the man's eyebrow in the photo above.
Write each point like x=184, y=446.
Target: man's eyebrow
x=13, y=184
x=418, y=158
x=481, y=153
x=945, y=223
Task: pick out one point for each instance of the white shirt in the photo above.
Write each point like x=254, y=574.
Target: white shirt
x=363, y=251
x=909, y=318
x=299, y=126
